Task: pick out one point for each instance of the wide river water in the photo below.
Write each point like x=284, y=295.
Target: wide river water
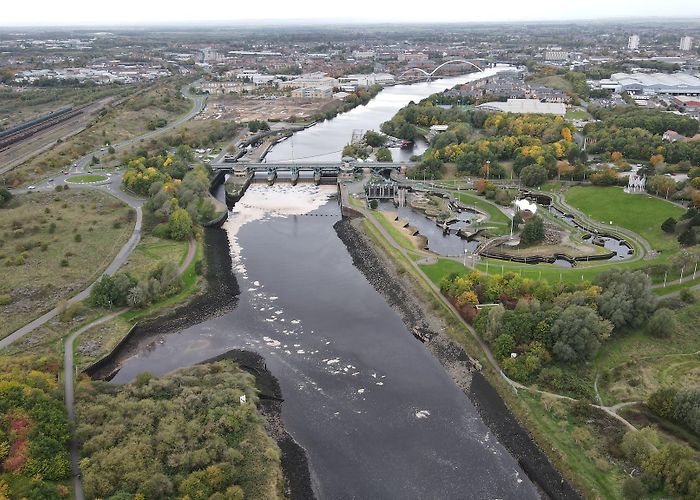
x=376, y=413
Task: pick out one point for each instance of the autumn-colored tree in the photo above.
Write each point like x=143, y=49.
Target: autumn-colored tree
x=566, y=134
x=616, y=156
x=656, y=159
x=564, y=168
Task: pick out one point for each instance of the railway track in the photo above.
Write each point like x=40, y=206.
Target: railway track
x=28, y=129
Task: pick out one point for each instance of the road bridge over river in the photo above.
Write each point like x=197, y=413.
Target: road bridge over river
x=319, y=170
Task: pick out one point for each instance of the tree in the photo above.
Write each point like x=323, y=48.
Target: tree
x=687, y=237
x=533, y=175
x=662, y=323
x=669, y=225
x=639, y=445
x=503, y=346
x=577, y=334
x=180, y=224
x=383, y=154
x=533, y=231
x=374, y=139
x=627, y=299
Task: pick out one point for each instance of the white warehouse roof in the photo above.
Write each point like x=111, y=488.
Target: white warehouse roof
x=526, y=106
x=662, y=83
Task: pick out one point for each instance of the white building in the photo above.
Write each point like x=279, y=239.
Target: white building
x=313, y=92
x=686, y=43
x=653, y=83
x=633, y=42
x=353, y=82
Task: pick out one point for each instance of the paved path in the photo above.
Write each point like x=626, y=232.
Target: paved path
x=68, y=375
x=69, y=397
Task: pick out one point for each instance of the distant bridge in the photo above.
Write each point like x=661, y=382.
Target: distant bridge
x=430, y=75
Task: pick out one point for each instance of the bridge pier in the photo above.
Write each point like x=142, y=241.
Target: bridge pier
x=295, y=176
x=317, y=176
x=271, y=176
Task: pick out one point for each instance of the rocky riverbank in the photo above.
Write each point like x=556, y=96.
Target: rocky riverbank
x=402, y=293
x=297, y=479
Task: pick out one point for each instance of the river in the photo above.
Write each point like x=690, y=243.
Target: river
x=325, y=141
x=376, y=413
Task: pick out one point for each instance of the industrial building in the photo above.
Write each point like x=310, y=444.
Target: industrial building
x=322, y=92
x=686, y=43
x=526, y=106
x=653, y=83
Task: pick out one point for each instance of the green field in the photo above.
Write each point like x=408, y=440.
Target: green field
x=640, y=213
x=54, y=245
x=576, y=114
x=84, y=179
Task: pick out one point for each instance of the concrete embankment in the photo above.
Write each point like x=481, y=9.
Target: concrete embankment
x=402, y=293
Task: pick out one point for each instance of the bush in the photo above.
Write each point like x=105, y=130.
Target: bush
x=5, y=196
x=373, y=204
x=64, y=263
x=59, y=188
x=633, y=489
x=161, y=231
x=687, y=296
x=669, y=225
x=78, y=238
x=662, y=323
x=662, y=402
x=5, y=299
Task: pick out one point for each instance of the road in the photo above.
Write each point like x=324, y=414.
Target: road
x=112, y=186
x=69, y=372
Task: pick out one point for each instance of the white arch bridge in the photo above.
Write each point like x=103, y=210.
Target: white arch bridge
x=429, y=75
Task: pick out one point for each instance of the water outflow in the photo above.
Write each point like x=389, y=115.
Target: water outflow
x=376, y=412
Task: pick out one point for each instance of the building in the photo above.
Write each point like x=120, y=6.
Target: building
x=412, y=57
x=350, y=83
x=310, y=80
x=322, y=92
x=653, y=83
x=556, y=55
x=686, y=43
x=526, y=106
x=633, y=42
x=686, y=101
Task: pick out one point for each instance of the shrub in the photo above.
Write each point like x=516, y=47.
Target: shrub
x=533, y=231
x=662, y=402
x=5, y=299
x=373, y=204
x=64, y=263
x=662, y=323
x=59, y=188
x=669, y=225
x=5, y=196
x=52, y=228
x=633, y=489
x=687, y=296
x=78, y=238
x=161, y=231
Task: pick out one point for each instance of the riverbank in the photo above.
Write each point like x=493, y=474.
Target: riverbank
x=295, y=467
x=219, y=297
x=400, y=290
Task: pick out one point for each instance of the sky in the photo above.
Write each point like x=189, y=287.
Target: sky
x=140, y=12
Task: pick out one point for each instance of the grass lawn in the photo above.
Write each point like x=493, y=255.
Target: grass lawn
x=54, y=245
x=397, y=235
x=150, y=251
x=576, y=114
x=642, y=214
x=555, y=81
x=82, y=179
x=497, y=219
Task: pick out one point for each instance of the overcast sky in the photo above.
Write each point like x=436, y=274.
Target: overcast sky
x=130, y=12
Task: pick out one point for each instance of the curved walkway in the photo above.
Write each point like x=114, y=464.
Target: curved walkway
x=68, y=375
